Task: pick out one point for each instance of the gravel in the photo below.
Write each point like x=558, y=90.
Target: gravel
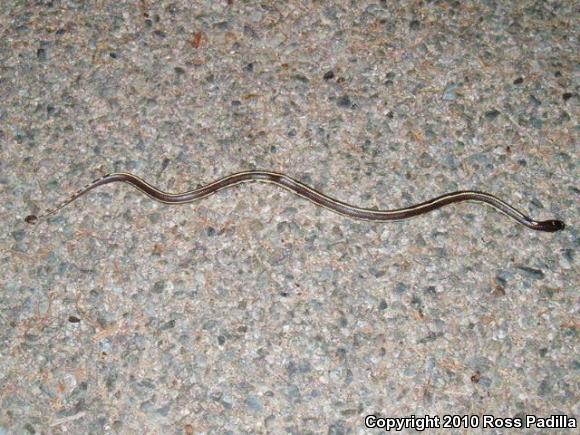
x=254, y=311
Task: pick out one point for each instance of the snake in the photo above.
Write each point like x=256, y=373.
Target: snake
x=312, y=195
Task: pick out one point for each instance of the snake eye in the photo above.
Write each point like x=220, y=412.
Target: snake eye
x=558, y=225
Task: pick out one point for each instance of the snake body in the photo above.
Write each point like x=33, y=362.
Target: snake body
x=310, y=194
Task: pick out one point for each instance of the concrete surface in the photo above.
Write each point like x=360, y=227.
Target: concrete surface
x=254, y=311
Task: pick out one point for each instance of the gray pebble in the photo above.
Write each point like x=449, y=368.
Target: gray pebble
x=491, y=115
x=425, y=160
x=416, y=302
x=545, y=387
x=534, y=101
x=253, y=403
x=431, y=336
x=146, y=406
x=167, y=325
x=337, y=428
x=293, y=393
x=159, y=286
x=249, y=31
x=431, y=290
x=537, y=123
x=344, y=101
x=18, y=235
x=376, y=273
x=531, y=272
x=164, y=410
x=415, y=25
x=485, y=381
x=401, y=288
x=449, y=94
x=41, y=54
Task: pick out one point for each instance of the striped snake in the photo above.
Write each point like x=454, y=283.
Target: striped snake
x=312, y=195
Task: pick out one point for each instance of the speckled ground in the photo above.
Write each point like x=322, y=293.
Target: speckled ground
x=254, y=311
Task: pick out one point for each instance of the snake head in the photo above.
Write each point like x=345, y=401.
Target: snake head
x=551, y=225
x=31, y=219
